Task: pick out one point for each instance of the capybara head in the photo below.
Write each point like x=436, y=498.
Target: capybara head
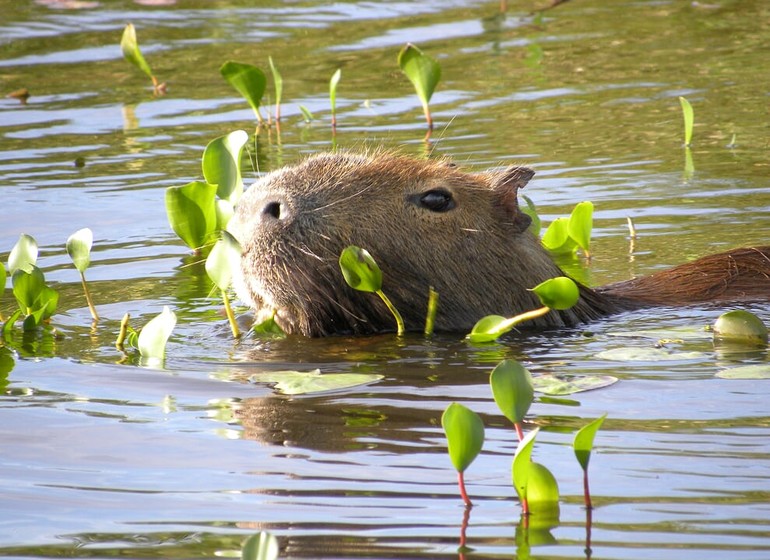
x=426, y=223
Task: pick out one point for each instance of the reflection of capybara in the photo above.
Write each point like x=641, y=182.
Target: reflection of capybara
x=427, y=223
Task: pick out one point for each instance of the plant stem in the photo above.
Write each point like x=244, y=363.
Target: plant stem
x=463, y=493
x=428, y=116
x=430, y=319
x=396, y=314
x=586, y=491
x=90, y=302
x=519, y=431
x=231, y=316
x=534, y=314
x=122, y=334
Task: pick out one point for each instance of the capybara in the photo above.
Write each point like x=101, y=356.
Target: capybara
x=427, y=223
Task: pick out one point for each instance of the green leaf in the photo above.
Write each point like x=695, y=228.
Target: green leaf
x=262, y=546
x=648, y=354
x=333, y=83
x=488, y=329
x=542, y=488
x=192, y=212
x=558, y=293
x=8, y=325
x=154, y=336
x=79, y=248
x=28, y=287
x=581, y=224
x=224, y=211
x=754, y=371
x=531, y=211
x=23, y=255
x=740, y=326
x=512, y=389
x=130, y=47
x=3, y=278
x=268, y=327
x=584, y=441
x=422, y=70
x=566, y=384
x=224, y=258
x=304, y=382
x=360, y=270
x=222, y=164
x=464, y=431
x=522, y=464
x=278, y=83
x=557, y=239
x=45, y=305
x=248, y=80
x=306, y=114
x=689, y=119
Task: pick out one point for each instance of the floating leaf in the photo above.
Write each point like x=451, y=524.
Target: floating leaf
x=130, y=47
x=360, y=270
x=262, y=546
x=569, y=384
x=584, y=441
x=464, y=431
x=740, y=326
x=248, y=80
x=192, y=213
x=488, y=329
x=424, y=73
x=637, y=354
x=522, y=464
x=303, y=382
x=79, y=248
x=512, y=389
x=581, y=224
x=557, y=239
x=154, y=336
x=558, y=293
x=673, y=333
x=689, y=119
x=225, y=257
x=755, y=371
x=23, y=255
x=222, y=164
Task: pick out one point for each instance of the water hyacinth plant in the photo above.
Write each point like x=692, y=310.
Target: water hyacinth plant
x=424, y=73
x=566, y=235
x=465, y=437
x=333, y=83
x=224, y=257
x=79, y=249
x=582, y=445
x=129, y=45
x=249, y=81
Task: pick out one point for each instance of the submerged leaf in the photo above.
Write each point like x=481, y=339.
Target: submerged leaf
x=569, y=384
x=512, y=389
x=79, y=248
x=464, y=433
x=754, y=371
x=637, y=354
x=222, y=164
x=303, y=382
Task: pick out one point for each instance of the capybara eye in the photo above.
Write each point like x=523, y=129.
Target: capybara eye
x=437, y=200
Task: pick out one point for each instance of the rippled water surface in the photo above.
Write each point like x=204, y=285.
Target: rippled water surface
x=103, y=458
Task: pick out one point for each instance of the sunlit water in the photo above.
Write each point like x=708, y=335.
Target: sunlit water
x=102, y=459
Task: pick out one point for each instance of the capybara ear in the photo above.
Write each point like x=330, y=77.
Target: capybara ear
x=506, y=185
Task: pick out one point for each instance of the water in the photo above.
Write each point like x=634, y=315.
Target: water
x=107, y=459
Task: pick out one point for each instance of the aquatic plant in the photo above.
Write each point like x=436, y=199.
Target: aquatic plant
x=151, y=340
x=464, y=431
x=333, y=83
x=79, y=249
x=566, y=235
x=512, y=389
x=36, y=300
x=534, y=483
x=278, y=84
x=582, y=445
x=129, y=45
x=556, y=293
x=689, y=119
x=424, y=72
x=224, y=257
x=740, y=327
x=430, y=317
x=262, y=546
x=362, y=273
x=249, y=81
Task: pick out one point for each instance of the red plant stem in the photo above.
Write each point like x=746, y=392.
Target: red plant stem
x=589, y=522
x=463, y=493
x=519, y=431
x=586, y=491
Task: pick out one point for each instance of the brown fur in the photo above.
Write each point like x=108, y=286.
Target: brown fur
x=479, y=256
